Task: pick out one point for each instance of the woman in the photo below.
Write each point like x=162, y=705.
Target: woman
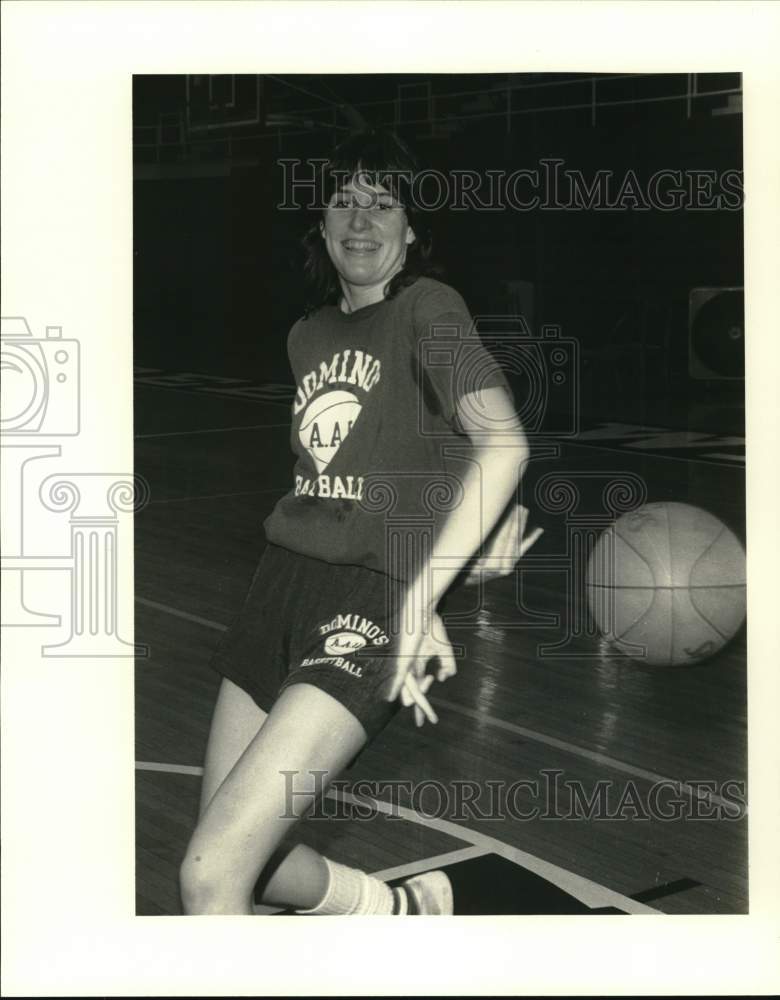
x=340, y=621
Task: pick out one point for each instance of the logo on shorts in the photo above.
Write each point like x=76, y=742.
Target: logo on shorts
x=334, y=661
x=344, y=642
x=355, y=630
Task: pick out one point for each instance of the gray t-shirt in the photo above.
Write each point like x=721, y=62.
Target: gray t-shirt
x=374, y=427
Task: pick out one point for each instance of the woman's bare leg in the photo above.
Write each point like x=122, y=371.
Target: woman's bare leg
x=236, y=721
x=247, y=814
x=294, y=877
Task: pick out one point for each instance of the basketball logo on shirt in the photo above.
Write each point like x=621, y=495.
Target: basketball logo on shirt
x=326, y=423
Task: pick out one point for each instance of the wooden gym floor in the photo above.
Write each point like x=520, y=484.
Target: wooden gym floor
x=575, y=717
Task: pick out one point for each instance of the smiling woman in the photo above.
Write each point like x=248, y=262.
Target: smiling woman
x=370, y=208
x=366, y=234
x=340, y=624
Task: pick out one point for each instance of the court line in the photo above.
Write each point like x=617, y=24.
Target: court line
x=149, y=765
x=401, y=871
x=209, y=430
x=663, y=586
x=219, y=496
x=737, y=465
x=667, y=889
x=175, y=613
x=531, y=734
x=139, y=384
x=398, y=871
x=428, y=864
x=739, y=459
x=592, y=755
x=585, y=890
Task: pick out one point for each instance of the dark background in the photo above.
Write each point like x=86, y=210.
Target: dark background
x=218, y=267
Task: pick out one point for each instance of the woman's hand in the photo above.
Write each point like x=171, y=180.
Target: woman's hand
x=422, y=637
x=508, y=545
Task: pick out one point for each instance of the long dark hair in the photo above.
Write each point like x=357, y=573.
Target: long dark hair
x=382, y=159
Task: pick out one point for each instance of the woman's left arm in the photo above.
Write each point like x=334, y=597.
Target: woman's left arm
x=500, y=453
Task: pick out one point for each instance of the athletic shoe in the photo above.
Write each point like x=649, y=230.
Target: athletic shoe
x=426, y=894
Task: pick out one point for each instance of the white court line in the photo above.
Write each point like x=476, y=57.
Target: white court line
x=585, y=890
x=219, y=496
x=739, y=459
x=428, y=864
x=531, y=734
x=588, y=892
x=181, y=614
x=401, y=871
x=148, y=765
x=411, y=868
x=139, y=384
x=593, y=755
x=656, y=455
x=209, y=430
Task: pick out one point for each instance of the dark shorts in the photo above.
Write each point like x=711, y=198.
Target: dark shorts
x=307, y=621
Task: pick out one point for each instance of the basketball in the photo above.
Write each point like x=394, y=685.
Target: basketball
x=326, y=423
x=666, y=584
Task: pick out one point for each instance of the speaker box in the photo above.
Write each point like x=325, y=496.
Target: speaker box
x=716, y=333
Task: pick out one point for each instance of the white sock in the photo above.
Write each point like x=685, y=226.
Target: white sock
x=351, y=891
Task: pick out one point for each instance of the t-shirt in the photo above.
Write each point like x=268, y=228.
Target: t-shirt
x=375, y=430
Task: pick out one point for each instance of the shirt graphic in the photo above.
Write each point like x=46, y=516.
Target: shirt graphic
x=325, y=424
x=327, y=416
x=386, y=378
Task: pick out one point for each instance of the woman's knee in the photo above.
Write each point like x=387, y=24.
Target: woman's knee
x=199, y=880
x=210, y=883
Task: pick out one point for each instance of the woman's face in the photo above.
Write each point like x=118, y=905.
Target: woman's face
x=366, y=234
